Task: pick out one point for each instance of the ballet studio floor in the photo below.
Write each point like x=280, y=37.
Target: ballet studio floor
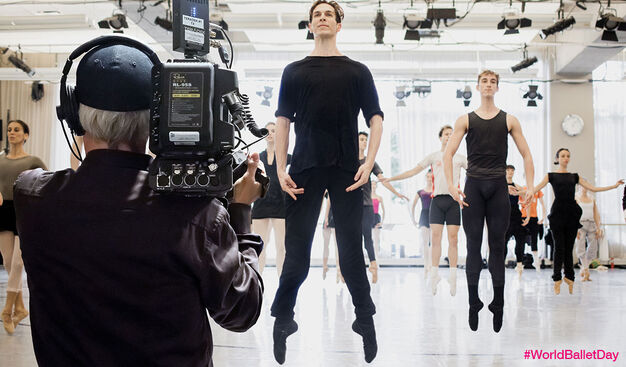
x=416, y=328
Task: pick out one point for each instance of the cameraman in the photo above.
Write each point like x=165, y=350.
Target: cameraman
x=118, y=274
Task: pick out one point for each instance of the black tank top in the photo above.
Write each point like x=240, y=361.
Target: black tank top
x=514, y=199
x=487, y=146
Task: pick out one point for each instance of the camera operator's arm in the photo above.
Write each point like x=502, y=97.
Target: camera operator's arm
x=232, y=288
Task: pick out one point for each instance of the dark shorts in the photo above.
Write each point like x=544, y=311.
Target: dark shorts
x=444, y=210
x=377, y=219
x=7, y=217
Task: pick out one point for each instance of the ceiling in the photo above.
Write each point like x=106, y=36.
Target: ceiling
x=266, y=36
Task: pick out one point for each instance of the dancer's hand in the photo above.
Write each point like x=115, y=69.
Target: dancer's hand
x=513, y=191
x=578, y=235
x=361, y=177
x=379, y=225
x=620, y=182
x=403, y=197
x=599, y=233
x=526, y=221
x=384, y=179
x=1, y=199
x=246, y=190
x=528, y=197
x=288, y=186
x=458, y=196
x=540, y=222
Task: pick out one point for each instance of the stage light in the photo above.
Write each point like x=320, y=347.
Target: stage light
x=512, y=21
x=524, y=64
x=559, y=26
x=379, y=26
x=465, y=94
x=532, y=95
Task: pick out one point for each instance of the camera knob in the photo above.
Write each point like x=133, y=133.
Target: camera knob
x=203, y=179
x=177, y=179
x=190, y=180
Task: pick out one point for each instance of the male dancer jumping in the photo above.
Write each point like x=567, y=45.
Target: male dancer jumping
x=486, y=192
x=443, y=208
x=323, y=94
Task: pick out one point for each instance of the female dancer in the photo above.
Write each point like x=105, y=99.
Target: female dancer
x=589, y=233
x=565, y=216
x=379, y=206
x=11, y=165
x=425, y=197
x=268, y=212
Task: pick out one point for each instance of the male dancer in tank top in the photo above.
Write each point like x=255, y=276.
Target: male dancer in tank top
x=486, y=194
x=323, y=94
x=443, y=209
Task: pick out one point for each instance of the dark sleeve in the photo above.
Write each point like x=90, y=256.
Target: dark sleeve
x=287, y=96
x=288, y=159
x=232, y=288
x=376, y=170
x=369, y=96
x=577, y=177
x=624, y=199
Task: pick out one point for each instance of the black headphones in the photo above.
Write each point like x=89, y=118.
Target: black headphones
x=68, y=108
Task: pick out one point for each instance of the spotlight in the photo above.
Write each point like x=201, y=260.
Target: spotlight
x=266, y=93
x=422, y=91
x=36, y=91
x=532, y=95
x=412, y=21
x=117, y=21
x=610, y=22
x=20, y=64
x=524, y=64
x=581, y=5
x=304, y=24
x=379, y=26
x=559, y=26
x=512, y=21
x=400, y=94
x=466, y=94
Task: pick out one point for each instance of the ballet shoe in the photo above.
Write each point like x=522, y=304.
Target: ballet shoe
x=570, y=284
x=20, y=312
x=452, y=281
x=557, y=286
x=434, y=281
x=368, y=333
x=426, y=272
x=586, y=278
x=280, y=334
x=519, y=268
x=374, y=270
x=537, y=265
x=497, y=316
x=7, y=313
x=473, y=315
x=324, y=271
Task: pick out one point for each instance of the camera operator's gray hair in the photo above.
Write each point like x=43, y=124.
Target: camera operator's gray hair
x=116, y=128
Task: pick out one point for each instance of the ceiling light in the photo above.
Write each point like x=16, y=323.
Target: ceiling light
x=379, y=26
x=512, y=21
x=266, y=93
x=559, y=26
x=20, y=64
x=117, y=21
x=465, y=94
x=524, y=64
x=304, y=24
x=610, y=22
x=532, y=95
x=400, y=94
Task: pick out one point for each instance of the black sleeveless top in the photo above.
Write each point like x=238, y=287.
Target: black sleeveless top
x=487, y=146
x=565, y=210
x=514, y=199
x=272, y=205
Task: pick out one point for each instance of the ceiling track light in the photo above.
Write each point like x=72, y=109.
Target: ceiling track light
x=117, y=21
x=400, y=94
x=266, y=94
x=20, y=64
x=532, y=95
x=304, y=24
x=512, y=21
x=527, y=62
x=559, y=26
x=610, y=22
x=379, y=25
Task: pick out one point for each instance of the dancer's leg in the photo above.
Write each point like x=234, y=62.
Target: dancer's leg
x=262, y=228
x=278, y=225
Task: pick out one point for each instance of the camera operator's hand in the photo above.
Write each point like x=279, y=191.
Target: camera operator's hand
x=246, y=189
x=1, y=199
x=288, y=186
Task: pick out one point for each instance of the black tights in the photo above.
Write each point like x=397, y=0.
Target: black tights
x=564, y=238
x=487, y=199
x=519, y=232
x=366, y=227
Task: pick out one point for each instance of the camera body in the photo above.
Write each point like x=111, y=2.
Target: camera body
x=196, y=110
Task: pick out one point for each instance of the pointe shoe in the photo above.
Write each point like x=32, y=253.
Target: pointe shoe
x=452, y=281
x=434, y=281
x=374, y=270
x=20, y=311
x=426, y=271
x=324, y=271
x=570, y=284
x=473, y=315
x=557, y=286
x=537, y=265
x=497, y=316
x=519, y=268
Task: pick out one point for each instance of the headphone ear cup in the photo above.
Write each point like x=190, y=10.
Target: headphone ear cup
x=71, y=112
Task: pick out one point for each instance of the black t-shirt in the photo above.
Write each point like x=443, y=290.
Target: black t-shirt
x=367, y=188
x=272, y=205
x=323, y=97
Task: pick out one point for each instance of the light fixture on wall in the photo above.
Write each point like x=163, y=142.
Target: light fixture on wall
x=465, y=94
x=401, y=94
x=532, y=95
x=266, y=94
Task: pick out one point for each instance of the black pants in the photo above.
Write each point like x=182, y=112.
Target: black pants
x=366, y=227
x=519, y=232
x=564, y=238
x=488, y=199
x=300, y=224
x=533, y=232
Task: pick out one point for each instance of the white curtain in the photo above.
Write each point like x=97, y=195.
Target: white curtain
x=610, y=131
